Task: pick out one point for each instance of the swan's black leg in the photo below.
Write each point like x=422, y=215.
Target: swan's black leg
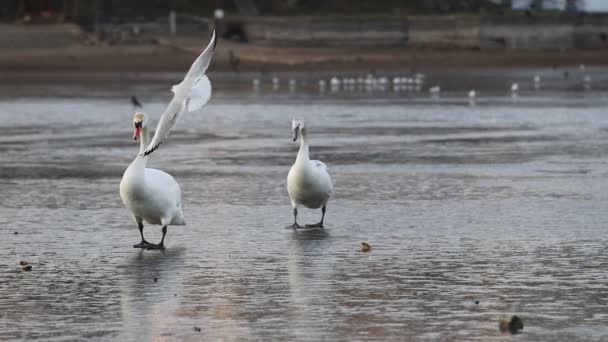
x=320, y=224
x=161, y=244
x=143, y=242
x=295, y=220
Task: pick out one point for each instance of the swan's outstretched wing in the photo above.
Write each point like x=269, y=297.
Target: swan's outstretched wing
x=190, y=94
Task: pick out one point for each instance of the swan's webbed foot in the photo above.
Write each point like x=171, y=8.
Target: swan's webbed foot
x=161, y=245
x=295, y=225
x=142, y=244
x=155, y=246
x=320, y=224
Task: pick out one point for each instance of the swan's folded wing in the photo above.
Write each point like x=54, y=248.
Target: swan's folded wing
x=318, y=163
x=193, y=92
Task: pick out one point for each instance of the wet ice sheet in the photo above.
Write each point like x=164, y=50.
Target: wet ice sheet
x=499, y=203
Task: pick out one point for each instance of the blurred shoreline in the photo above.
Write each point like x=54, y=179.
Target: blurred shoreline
x=171, y=56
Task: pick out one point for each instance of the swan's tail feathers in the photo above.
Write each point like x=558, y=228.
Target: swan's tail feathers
x=200, y=94
x=178, y=220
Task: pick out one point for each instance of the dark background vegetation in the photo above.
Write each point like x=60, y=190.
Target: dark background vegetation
x=75, y=10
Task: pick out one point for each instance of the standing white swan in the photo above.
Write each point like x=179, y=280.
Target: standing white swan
x=308, y=181
x=153, y=195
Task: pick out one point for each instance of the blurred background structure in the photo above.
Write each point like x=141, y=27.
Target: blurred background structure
x=287, y=32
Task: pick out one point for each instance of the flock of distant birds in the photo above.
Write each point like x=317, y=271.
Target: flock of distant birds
x=411, y=83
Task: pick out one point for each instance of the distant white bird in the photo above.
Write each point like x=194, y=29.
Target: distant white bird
x=582, y=67
x=292, y=83
x=536, y=82
x=587, y=82
x=255, y=83
x=335, y=82
x=275, y=80
x=321, y=83
x=472, y=94
x=514, y=88
x=587, y=79
x=396, y=80
x=435, y=89
x=153, y=195
x=308, y=181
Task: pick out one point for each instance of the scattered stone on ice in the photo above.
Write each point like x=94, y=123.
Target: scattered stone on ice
x=513, y=326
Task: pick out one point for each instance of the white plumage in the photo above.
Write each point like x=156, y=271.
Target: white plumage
x=435, y=89
x=308, y=181
x=153, y=195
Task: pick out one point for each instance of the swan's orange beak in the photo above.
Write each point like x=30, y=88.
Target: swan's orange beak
x=136, y=133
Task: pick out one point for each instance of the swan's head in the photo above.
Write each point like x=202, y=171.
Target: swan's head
x=297, y=126
x=139, y=121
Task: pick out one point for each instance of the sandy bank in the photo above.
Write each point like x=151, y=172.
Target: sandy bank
x=175, y=56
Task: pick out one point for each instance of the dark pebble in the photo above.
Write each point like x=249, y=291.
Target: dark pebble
x=155, y=280
x=16, y=233
x=197, y=329
x=516, y=324
x=477, y=302
x=513, y=326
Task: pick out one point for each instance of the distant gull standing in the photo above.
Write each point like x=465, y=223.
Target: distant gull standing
x=322, y=85
x=308, y=181
x=514, y=89
x=587, y=81
x=536, y=81
x=275, y=83
x=472, y=97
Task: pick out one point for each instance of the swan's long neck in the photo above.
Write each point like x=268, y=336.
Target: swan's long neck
x=144, y=139
x=140, y=160
x=303, y=152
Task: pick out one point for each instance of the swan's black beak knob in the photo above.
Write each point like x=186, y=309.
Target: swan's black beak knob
x=295, y=133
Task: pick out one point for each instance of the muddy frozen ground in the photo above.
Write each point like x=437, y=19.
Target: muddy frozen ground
x=474, y=211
